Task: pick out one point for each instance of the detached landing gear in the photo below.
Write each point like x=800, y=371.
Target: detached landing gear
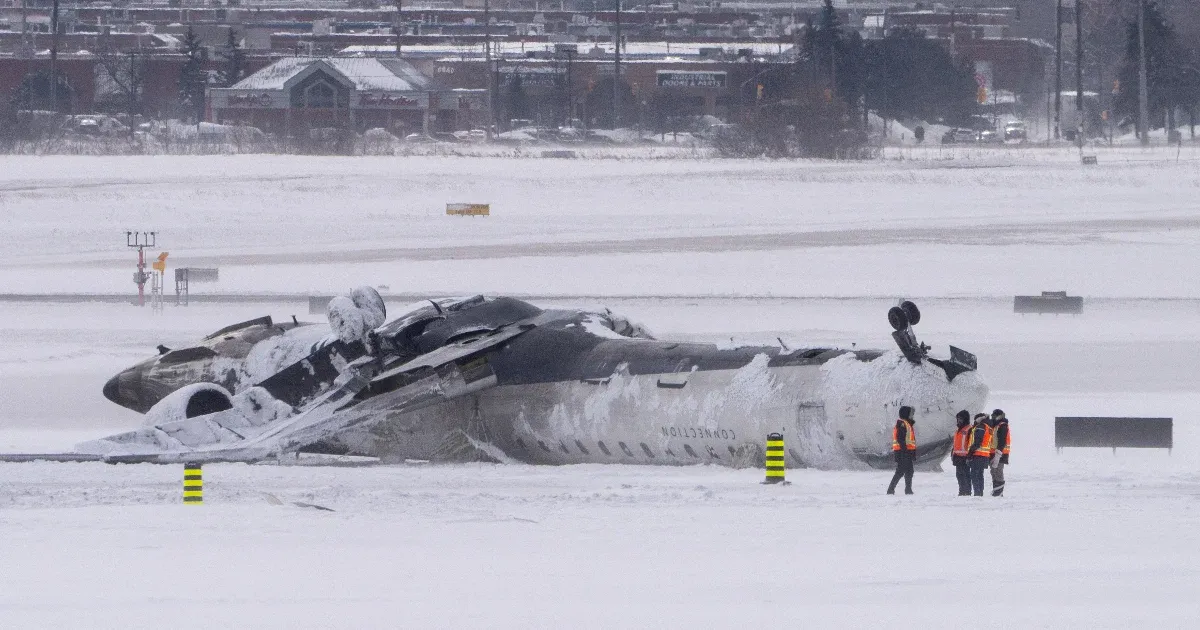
x=903, y=318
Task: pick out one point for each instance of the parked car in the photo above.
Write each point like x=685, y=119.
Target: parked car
x=1015, y=131
x=987, y=136
x=96, y=125
x=471, y=135
x=959, y=136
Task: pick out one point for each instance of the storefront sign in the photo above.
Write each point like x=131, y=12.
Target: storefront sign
x=691, y=79
x=532, y=76
x=390, y=101
x=249, y=100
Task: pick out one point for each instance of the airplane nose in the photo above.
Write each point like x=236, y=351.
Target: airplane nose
x=112, y=389
x=124, y=390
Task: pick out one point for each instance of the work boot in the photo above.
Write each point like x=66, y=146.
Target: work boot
x=908, y=492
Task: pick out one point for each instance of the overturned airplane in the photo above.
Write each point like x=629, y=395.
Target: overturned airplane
x=499, y=379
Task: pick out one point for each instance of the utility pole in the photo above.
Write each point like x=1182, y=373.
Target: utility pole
x=1057, y=67
x=570, y=89
x=54, y=58
x=1143, y=91
x=1079, y=68
x=487, y=62
x=400, y=25
x=617, y=72
x=953, y=31
x=134, y=85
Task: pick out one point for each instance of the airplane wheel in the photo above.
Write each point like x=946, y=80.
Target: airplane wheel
x=912, y=312
x=897, y=318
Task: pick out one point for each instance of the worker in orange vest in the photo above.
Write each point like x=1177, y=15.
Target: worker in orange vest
x=958, y=455
x=1003, y=441
x=904, y=449
x=979, y=451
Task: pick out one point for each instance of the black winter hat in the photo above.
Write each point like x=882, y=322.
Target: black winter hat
x=964, y=418
x=906, y=412
x=997, y=413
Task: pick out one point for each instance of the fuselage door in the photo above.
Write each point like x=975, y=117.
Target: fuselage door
x=679, y=378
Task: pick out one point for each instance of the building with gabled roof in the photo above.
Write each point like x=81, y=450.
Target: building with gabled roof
x=297, y=94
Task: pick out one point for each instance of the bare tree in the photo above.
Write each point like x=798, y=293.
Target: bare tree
x=120, y=80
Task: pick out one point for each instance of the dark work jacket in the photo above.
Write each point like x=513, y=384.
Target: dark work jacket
x=978, y=431
x=1001, y=436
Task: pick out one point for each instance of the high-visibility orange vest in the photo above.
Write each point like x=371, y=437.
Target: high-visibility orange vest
x=986, y=448
x=1003, y=448
x=960, y=441
x=910, y=441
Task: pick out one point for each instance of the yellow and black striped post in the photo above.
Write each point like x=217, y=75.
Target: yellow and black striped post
x=193, y=484
x=775, y=465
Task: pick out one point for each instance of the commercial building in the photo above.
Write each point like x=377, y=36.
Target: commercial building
x=298, y=94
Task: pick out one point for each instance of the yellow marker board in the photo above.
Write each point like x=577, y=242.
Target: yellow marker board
x=469, y=209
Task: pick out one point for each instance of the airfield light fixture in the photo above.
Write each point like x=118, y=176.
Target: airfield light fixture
x=141, y=240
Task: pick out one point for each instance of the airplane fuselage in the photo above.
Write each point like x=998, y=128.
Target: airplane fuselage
x=565, y=387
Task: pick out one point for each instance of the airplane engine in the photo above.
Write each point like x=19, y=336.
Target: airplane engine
x=190, y=401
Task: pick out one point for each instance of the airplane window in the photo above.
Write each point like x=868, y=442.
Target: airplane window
x=671, y=453
x=688, y=448
x=260, y=321
x=521, y=443
x=603, y=448
x=625, y=448
x=712, y=452
x=563, y=446
x=646, y=449
x=186, y=354
x=732, y=452
x=543, y=445
x=582, y=448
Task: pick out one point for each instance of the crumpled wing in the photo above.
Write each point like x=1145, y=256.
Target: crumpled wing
x=446, y=373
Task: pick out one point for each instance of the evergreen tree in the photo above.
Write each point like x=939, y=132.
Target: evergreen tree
x=193, y=78
x=911, y=76
x=833, y=59
x=822, y=44
x=1172, y=71
x=233, y=61
x=517, y=99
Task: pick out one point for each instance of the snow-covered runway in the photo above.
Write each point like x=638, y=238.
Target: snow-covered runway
x=1083, y=539
x=594, y=546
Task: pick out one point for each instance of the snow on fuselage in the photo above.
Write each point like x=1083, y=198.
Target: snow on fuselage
x=571, y=389
x=835, y=410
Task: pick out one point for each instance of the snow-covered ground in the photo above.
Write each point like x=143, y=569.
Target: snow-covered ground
x=708, y=250
x=1005, y=221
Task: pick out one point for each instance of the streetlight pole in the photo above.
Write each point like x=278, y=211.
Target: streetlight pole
x=1143, y=91
x=570, y=90
x=487, y=62
x=54, y=58
x=617, y=71
x=400, y=25
x=1079, y=68
x=1057, y=68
